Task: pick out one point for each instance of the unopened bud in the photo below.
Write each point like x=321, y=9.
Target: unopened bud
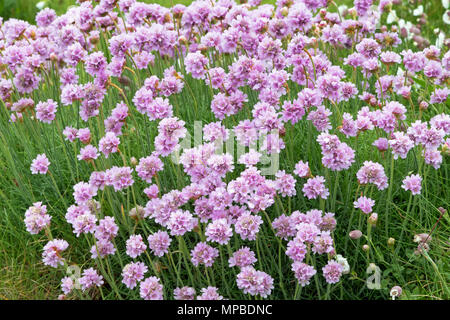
x=373, y=101
x=167, y=18
x=284, y=11
x=365, y=247
x=158, y=267
x=133, y=161
x=182, y=39
x=137, y=213
x=373, y=218
x=124, y=80
x=423, y=105
x=355, y=234
x=94, y=39
x=391, y=242
x=202, y=48
x=422, y=237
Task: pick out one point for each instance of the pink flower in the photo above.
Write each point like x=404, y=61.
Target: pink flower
x=102, y=248
x=285, y=183
x=70, y=133
x=151, y=289
x=67, y=285
x=247, y=226
x=400, y=145
x=87, y=153
x=109, y=144
x=332, y=271
x=107, y=229
x=36, y=218
x=152, y=191
x=302, y=169
x=204, y=254
x=132, y=273
x=412, y=183
x=159, y=243
x=184, y=293
x=148, y=167
x=319, y=118
x=372, y=172
x=242, y=258
x=303, y=272
x=382, y=144
x=40, y=164
x=83, y=192
x=284, y=227
x=119, y=177
x=84, y=135
x=315, y=187
x=90, y=278
x=135, y=246
x=219, y=231
x=52, y=252
x=254, y=282
x=181, y=222
x=45, y=111
x=364, y=204
x=196, y=64
x=296, y=250
x=210, y=293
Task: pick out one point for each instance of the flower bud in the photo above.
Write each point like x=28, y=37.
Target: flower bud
x=422, y=237
x=373, y=219
x=124, y=80
x=133, y=161
x=365, y=247
x=182, y=39
x=284, y=11
x=137, y=213
x=423, y=105
x=355, y=234
x=391, y=242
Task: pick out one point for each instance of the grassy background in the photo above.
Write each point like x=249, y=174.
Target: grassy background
x=23, y=276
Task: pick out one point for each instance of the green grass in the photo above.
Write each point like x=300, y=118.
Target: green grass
x=23, y=275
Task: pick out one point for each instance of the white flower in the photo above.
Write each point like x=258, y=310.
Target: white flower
x=440, y=40
x=343, y=262
x=446, y=17
x=418, y=11
x=41, y=4
x=445, y=3
x=392, y=17
x=343, y=7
